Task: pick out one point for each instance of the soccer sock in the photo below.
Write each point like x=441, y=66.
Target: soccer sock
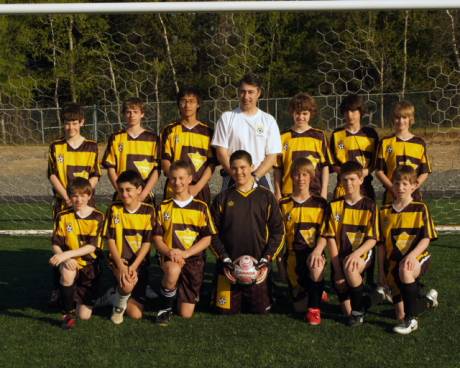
x=56, y=278
x=121, y=300
x=356, y=298
x=168, y=297
x=409, y=296
x=67, y=297
x=315, y=291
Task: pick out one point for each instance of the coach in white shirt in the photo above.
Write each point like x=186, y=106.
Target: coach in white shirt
x=248, y=128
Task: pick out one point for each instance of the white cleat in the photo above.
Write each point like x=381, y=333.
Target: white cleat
x=432, y=296
x=406, y=327
x=117, y=315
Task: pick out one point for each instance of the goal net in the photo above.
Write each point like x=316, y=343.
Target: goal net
x=99, y=60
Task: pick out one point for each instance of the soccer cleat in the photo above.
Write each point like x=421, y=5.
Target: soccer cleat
x=150, y=293
x=69, y=321
x=432, y=296
x=105, y=300
x=384, y=293
x=406, y=327
x=355, y=319
x=163, y=317
x=313, y=316
x=325, y=297
x=117, y=315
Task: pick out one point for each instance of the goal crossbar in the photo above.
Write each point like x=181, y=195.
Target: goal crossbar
x=222, y=6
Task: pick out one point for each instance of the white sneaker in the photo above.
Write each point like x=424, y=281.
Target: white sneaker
x=406, y=327
x=106, y=299
x=117, y=315
x=432, y=296
x=384, y=293
x=150, y=293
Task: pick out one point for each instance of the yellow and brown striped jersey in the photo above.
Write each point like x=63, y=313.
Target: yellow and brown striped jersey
x=192, y=145
x=130, y=230
x=141, y=154
x=303, y=221
x=67, y=163
x=402, y=230
x=182, y=227
x=351, y=224
x=248, y=223
x=311, y=144
x=72, y=232
x=394, y=152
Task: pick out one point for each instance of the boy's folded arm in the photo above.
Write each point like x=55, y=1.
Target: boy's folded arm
x=83, y=251
x=419, y=248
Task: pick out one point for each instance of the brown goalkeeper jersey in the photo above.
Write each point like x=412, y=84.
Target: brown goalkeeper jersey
x=248, y=223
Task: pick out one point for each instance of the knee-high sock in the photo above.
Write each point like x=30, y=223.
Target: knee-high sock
x=67, y=297
x=356, y=297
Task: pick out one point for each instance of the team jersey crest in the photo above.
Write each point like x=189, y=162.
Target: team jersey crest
x=285, y=147
x=120, y=147
x=260, y=129
x=197, y=160
x=338, y=218
x=404, y=241
x=230, y=203
x=60, y=158
x=167, y=216
x=341, y=145
x=389, y=149
x=355, y=239
x=144, y=167
x=134, y=241
x=116, y=220
x=69, y=228
x=187, y=237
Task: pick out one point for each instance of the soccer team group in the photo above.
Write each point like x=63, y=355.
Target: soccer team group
x=250, y=220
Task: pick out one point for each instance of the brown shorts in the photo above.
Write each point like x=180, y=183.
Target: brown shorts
x=138, y=293
x=232, y=299
x=190, y=281
x=86, y=284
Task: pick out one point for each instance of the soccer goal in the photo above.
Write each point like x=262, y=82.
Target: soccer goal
x=101, y=53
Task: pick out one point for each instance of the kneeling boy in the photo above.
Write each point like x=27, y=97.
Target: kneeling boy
x=183, y=231
x=76, y=244
x=351, y=229
x=128, y=230
x=407, y=229
x=303, y=215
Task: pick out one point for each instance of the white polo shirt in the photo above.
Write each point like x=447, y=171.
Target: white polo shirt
x=257, y=134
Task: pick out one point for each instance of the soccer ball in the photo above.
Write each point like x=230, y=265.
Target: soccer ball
x=245, y=270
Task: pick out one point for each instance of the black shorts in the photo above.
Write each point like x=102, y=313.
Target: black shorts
x=190, y=281
x=233, y=299
x=86, y=284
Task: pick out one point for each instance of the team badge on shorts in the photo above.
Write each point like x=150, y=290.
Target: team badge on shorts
x=221, y=301
x=120, y=147
x=69, y=228
x=60, y=158
x=230, y=203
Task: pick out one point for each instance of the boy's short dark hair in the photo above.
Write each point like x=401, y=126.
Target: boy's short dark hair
x=241, y=155
x=303, y=163
x=301, y=102
x=181, y=164
x=80, y=185
x=189, y=90
x=72, y=111
x=353, y=102
x=132, y=177
x=251, y=79
x=405, y=172
x=351, y=167
x=133, y=102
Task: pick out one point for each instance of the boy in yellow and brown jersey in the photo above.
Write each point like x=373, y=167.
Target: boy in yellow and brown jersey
x=351, y=229
x=402, y=148
x=70, y=157
x=189, y=140
x=183, y=232
x=303, y=215
x=129, y=230
x=302, y=140
x=354, y=142
x=407, y=230
x=134, y=148
x=76, y=244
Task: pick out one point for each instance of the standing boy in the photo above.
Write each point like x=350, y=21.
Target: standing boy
x=71, y=157
x=129, y=230
x=134, y=148
x=183, y=232
x=351, y=229
x=189, y=140
x=76, y=246
x=250, y=129
x=407, y=230
x=301, y=140
x=402, y=148
x=249, y=222
x=303, y=215
x=354, y=142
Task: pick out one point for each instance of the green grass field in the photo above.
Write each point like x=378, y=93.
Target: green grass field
x=30, y=335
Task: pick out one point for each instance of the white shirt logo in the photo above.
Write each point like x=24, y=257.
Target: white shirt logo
x=120, y=147
x=341, y=145
x=389, y=149
x=116, y=220
x=167, y=216
x=338, y=218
